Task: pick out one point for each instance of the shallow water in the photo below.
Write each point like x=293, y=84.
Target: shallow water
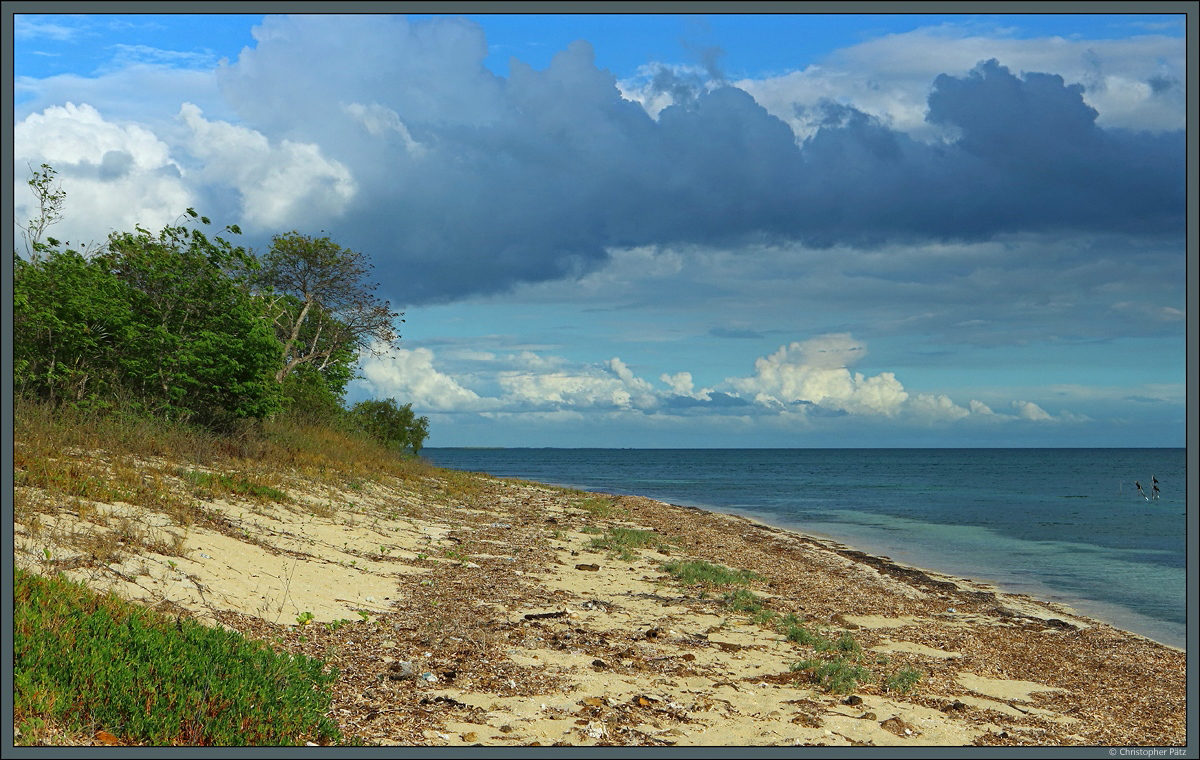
x=1066, y=525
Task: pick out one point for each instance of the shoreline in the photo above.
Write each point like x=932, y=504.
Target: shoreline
x=466, y=610
x=1074, y=606
x=1108, y=613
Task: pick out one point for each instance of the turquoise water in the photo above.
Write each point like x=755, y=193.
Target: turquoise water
x=1066, y=525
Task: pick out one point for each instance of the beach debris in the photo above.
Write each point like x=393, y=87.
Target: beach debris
x=898, y=727
x=401, y=671
x=852, y=700
x=595, y=730
x=545, y=615
x=590, y=568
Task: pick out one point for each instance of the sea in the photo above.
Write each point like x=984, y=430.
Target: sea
x=1063, y=525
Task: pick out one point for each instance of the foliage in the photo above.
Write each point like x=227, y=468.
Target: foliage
x=182, y=326
x=199, y=347
x=314, y=395
x=154, y=320
x=701, y=573
x=321, y=307
x=624, y=540
x=69, y=323
x=838, y=676
x=89, y=660
x=50, y=199
x=393, y=425
x=216, y=484
x=902, y=681
x=742, y=600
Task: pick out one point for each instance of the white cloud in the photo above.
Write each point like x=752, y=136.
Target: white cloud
x=939, y=407
x=978, y=407
x=281, y=185
x=890, y=76
x=114, y=176
x=379, y=120
x=27, y=28
x=611, y=384
x=410, y=377
x=815, y=372
x=1030, y=410
x=681, y=384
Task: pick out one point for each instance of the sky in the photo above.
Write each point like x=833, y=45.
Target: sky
x=650, y=231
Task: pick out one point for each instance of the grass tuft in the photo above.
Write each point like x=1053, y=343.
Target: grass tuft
x=838, y=676
x=902, y=681
x=622, y=542
x=701, y=573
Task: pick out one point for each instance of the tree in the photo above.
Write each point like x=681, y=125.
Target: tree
x=320, y=303
x=166, y=322
x=393, y=425
x=50, y=198
x=69, y=318
x=199, y=345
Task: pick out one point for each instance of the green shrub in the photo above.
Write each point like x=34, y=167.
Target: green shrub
x=624, y=540
x=87, y=660
x=742, y=600
x=838, y=676
x=701, y=573
x=902, y=681
x=392, y=425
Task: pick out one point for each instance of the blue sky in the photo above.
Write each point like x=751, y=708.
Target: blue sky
x=717, y=230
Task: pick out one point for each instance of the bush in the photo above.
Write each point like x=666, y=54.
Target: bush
x=392, y=425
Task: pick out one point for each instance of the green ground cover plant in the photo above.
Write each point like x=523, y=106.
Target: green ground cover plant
x=622, y=541
x=838, y=676
x=701, y=573
x=596, y=506
x=742, y=600
x=902, y=681
x=217, y=484
x=88, y=661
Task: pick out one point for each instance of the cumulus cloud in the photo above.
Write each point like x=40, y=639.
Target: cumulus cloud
x=114, y=176
x=978, y=407
x=681, y=384
x=888, y=76
x=541, y=175
x=939, y=407
x=1030, y=411
x=457, y=181
x=802, y=384
x=606, y=386
x=815, y=372
x=281, y=185
x=410, y=377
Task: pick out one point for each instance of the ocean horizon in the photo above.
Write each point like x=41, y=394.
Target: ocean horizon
x=1066, y=525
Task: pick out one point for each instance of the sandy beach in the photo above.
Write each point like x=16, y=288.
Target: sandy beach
x=482, y=613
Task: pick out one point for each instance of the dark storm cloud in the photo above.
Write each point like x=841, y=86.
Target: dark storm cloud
x=470, y=183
